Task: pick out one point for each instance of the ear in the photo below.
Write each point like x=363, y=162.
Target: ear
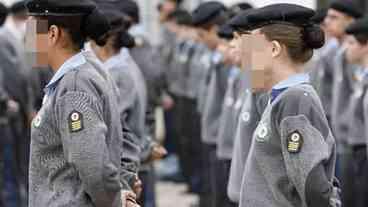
x=276, y=49
x=54, y=34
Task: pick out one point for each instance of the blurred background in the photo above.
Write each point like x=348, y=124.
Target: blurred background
x=149, y=11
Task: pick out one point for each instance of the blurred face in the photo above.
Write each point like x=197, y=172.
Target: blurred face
x=259, y=54
x=44, y=42
x=225, y=50
x=235, y=50
x=37, y=42
x=356, y=52
x=336, y=22
x=167, y=8
x=209, y=37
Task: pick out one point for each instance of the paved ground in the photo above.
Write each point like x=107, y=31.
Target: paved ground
x=173, y=195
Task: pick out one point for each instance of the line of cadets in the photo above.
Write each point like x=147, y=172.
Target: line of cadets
x=216, y=111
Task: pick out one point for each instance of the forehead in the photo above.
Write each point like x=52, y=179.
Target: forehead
x=37, y=25
x=335, y=13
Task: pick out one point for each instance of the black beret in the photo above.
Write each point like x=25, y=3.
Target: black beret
x=112, y=13
x=280, y=13
x=60, y=7
x=3, y=10
x=131, y=9
x=206, y=12
x=319, y=16
x=226, y=32
x=347, y=7
x=18, y=7
x=181, y=17
x=240, y=21
x=360, y=26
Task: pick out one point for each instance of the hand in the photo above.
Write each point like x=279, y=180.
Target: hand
x=137, y=187
x=13, y=106
x=167, y=102
x=157, y=153
x=129, y=199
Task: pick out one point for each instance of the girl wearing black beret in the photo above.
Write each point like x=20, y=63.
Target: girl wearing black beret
x=292, y=158
x=76, y=138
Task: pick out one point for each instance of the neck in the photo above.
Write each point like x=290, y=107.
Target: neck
x=365, y=63
x=282, y=72
x=60, y=59
x=104, y=53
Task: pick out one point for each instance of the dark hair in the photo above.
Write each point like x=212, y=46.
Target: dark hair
x=220, y=19
x=119, y=34
x=3, y=13
x=361, y=38
x=80, y=28
x=299, y=41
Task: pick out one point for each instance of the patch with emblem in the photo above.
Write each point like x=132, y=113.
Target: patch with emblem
x=75, y=122
x=37, y=121
x=262, y=133
x=245, y=116
x=294, y=142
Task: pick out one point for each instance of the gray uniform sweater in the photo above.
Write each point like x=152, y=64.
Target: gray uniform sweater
x=210, y=120
x=342, y=91
x=357, y=124
x=291, y=162
x=323, y=73
x=195, y=69
x=233, y=102
x=76, y=144
x=251, y=112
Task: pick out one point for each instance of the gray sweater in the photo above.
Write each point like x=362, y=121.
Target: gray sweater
x=76, y=144
x=233, y=102
x=291, y=162
x=252, y=109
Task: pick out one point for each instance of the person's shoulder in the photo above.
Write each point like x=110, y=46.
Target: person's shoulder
x=86, y=78
x=300, y=97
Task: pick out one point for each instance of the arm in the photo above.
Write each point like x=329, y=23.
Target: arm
x=85, y=143
x=308, y=148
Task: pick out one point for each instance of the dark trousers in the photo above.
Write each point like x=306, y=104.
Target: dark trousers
x=148, y=197
x=9, y=184
x=190, y=143
x=354, y=177
x=209, y=161
x=222, y=180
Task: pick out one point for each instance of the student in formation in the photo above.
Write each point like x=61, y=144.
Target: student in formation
x=291, y=161
x=76, y=147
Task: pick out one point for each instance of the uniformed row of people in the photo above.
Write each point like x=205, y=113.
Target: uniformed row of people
x=90, y=136
x=281, y=113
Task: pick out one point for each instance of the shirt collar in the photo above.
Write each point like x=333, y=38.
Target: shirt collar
x=71, y=64
x=290, y=82
x=122, y=58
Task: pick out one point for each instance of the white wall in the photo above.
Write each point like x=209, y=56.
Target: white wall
x=260, y=3
x=7, y=2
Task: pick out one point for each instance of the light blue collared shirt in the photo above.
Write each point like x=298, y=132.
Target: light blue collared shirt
x=119, y=59
x=293, y=80
x=71, y=64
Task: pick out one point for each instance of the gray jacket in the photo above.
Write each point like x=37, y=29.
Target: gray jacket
x=76, y=144
x=233, y=101
x=203, y=77
x=323, y=73
x=357, y=123
x=194, y=71
x=251, y=112
x=342, y=91
x=210, y=120
x=291, y=162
